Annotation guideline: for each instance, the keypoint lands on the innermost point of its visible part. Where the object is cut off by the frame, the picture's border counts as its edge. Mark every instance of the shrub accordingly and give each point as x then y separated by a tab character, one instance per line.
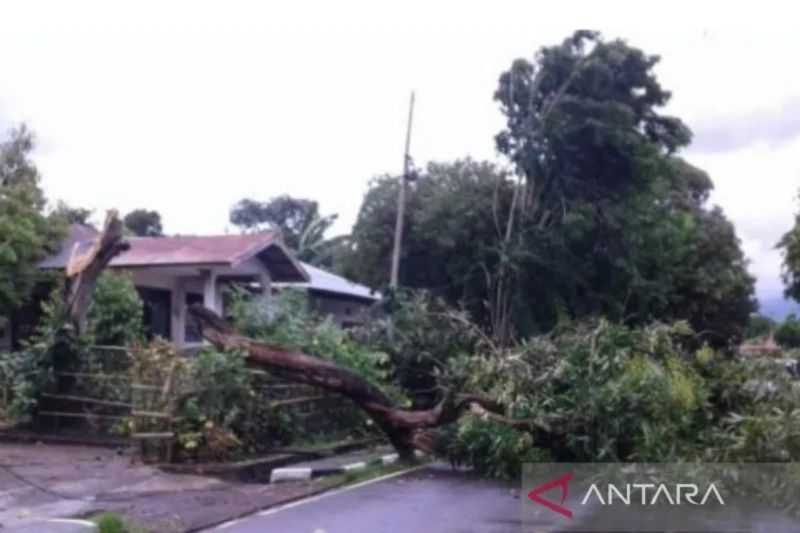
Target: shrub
492	448
289	323
423	337
116	315
788	333
594	391
756	413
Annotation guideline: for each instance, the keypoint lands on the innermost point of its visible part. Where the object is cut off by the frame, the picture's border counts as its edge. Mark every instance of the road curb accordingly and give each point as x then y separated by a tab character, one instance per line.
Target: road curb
304	473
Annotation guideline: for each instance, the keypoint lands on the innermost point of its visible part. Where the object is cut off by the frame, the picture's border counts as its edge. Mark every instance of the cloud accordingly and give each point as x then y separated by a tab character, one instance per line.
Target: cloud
757	186
772	127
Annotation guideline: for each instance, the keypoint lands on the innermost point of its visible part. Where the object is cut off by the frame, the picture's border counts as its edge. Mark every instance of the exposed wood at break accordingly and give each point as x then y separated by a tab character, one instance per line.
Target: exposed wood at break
406	430
83	269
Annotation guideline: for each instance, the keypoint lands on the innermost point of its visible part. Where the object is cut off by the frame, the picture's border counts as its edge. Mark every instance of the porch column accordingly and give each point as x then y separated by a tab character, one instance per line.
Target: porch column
266	288
210	295
178	329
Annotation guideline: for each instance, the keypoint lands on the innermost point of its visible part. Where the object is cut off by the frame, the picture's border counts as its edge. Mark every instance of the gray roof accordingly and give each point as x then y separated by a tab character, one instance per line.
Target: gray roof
322	280
77	234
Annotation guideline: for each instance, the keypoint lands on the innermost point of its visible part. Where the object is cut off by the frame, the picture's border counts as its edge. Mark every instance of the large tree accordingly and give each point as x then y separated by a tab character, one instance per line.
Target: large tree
144	223
26	235
790	248
452	227
599	217
298	219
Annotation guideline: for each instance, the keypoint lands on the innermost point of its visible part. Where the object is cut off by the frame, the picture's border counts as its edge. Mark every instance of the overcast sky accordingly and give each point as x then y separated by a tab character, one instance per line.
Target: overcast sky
187	107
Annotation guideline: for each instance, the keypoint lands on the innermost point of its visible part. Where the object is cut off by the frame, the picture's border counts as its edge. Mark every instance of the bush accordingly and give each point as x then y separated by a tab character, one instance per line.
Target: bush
290	324
788	333
116	315
755	413
492	448
424	336
758	326
594	391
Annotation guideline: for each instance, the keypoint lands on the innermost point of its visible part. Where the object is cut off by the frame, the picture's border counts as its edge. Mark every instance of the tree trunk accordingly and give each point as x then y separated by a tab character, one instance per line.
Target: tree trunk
406	430
83	269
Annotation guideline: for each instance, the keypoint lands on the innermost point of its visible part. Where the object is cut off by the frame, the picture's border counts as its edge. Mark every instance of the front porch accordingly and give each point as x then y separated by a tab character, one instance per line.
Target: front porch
168	291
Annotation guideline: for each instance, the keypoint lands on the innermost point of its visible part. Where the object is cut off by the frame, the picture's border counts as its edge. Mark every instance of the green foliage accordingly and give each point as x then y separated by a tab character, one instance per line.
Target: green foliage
288	322
111	523
759	326
144	223
116	315
589	392
26	234
220	390
299	221
788	333
756	415
65	214
603	218
26	374
114	523
790	247
493	449
425	335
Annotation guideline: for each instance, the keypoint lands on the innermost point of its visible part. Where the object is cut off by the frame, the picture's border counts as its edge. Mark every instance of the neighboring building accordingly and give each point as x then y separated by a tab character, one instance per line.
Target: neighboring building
760	347
171	273
341	299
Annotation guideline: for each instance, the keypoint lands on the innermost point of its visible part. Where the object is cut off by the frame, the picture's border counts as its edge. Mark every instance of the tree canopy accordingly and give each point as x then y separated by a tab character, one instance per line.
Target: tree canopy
599	215
302	226
144	223
790	248
26	234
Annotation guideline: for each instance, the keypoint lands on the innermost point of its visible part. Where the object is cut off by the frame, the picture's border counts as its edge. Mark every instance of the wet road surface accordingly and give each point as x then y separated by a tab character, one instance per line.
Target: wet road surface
433	499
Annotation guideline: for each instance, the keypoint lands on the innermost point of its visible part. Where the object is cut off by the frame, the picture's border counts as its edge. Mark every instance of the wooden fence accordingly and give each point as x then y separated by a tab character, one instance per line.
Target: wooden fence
105	396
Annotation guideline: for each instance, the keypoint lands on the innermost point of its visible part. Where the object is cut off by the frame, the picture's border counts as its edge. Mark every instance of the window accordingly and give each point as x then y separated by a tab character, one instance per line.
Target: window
157	312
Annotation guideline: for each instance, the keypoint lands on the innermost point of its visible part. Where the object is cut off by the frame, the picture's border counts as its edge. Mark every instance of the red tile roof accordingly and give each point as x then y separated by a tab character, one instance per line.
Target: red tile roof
193	250
227	250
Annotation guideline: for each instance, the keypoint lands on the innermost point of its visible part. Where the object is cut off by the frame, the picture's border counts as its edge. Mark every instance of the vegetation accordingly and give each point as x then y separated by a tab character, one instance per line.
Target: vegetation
116	315
600	216
144	223
114	523
759	326
302	227
788	333
582	305
26	234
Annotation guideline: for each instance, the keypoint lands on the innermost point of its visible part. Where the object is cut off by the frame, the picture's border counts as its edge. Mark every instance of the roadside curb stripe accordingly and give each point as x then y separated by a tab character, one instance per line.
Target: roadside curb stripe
347	488
302	474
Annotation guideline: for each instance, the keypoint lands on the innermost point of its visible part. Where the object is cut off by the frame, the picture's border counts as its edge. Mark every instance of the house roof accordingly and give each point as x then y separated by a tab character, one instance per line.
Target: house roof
223	250
322	280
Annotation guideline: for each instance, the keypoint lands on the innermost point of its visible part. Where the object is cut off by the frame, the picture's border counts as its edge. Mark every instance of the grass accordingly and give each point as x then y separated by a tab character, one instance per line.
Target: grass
114	523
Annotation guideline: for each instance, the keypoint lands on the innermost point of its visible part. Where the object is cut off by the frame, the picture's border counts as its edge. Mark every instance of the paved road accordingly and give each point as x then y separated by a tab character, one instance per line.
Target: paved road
434	499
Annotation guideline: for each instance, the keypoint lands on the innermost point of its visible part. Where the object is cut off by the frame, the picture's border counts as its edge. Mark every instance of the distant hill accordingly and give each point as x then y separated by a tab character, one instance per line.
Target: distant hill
778	308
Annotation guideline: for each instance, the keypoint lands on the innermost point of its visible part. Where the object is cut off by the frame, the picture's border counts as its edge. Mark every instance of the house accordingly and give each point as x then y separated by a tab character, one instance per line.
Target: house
344	301
171	273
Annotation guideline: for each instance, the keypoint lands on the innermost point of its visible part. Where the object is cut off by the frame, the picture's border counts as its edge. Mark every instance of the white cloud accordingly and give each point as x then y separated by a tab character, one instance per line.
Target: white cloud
185	107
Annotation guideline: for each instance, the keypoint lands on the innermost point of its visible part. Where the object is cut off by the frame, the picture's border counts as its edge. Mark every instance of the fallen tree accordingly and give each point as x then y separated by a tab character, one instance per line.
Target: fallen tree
84	268
407	430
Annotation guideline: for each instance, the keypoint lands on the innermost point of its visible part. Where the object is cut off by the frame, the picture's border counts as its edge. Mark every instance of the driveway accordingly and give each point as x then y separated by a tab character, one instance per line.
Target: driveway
39	482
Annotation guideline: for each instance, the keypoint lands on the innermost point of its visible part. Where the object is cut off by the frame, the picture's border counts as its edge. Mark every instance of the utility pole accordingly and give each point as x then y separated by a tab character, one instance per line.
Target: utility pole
401	200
